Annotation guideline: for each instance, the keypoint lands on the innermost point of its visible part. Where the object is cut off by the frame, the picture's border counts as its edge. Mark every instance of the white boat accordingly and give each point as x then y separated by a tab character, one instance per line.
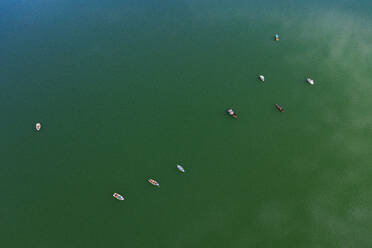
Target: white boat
262	78
180	168
38	126
153	182
231	113
310	81
118	196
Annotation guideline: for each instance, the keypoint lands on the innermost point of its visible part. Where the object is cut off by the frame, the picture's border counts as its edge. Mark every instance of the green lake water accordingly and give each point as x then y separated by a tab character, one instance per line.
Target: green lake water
125	90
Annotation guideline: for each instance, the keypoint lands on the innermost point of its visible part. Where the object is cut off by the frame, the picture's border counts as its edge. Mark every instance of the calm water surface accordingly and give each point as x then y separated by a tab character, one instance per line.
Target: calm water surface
125	90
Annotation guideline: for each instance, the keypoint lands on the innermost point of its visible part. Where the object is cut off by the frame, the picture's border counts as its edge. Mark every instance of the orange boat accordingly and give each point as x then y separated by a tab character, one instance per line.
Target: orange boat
153	182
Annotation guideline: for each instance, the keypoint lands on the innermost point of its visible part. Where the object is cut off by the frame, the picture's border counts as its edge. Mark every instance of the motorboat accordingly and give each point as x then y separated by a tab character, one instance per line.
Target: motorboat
262	78
231	112
180	168
153	182
38	126
310	81
276	37
118	196
279	107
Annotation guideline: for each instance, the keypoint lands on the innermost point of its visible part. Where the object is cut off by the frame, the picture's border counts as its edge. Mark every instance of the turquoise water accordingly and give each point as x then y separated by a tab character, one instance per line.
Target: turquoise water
127	90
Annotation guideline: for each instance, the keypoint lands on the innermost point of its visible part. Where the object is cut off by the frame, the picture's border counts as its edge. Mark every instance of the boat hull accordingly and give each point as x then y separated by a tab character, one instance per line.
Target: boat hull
153	182
118	196
278	107
180	168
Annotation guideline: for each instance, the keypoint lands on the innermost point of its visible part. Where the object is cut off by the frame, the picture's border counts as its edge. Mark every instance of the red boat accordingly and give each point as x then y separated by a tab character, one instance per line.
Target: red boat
153	182
279	108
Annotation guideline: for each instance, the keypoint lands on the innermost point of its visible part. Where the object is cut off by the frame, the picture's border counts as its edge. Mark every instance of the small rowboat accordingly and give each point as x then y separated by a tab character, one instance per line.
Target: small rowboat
279	108
262	78
180	168
153	182
276	37
117	196
38	126
310	81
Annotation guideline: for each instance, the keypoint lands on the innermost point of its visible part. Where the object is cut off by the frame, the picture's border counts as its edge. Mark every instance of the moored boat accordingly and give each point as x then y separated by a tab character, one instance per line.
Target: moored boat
276	37
118	196
180	168
279	107
38	126
262	78
153	182
310	81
